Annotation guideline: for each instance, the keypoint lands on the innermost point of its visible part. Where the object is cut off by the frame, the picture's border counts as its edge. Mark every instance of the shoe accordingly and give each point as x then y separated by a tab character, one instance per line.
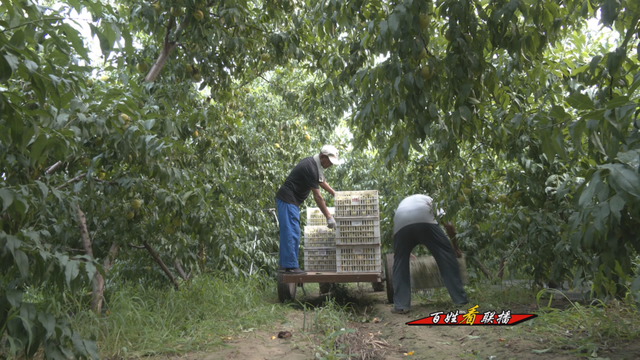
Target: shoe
292	271
400	311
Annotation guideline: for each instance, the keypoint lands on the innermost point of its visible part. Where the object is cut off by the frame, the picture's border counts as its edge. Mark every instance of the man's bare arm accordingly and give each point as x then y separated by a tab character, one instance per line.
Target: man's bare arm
327	188
320	201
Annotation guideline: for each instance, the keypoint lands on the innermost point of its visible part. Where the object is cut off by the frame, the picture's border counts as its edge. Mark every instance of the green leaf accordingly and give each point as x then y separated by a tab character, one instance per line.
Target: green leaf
580	101
616	204
600	215
14	296
5	69
75	40
7	198
623	179
609	12
48	322
18	39
465	112
71	271
22	261
588	192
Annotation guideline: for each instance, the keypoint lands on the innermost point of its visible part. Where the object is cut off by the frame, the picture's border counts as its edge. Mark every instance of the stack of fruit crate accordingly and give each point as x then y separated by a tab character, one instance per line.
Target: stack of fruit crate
357	232
319	242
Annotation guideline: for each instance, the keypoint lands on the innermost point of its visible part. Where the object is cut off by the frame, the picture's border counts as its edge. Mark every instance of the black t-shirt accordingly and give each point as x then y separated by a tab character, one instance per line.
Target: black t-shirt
298	184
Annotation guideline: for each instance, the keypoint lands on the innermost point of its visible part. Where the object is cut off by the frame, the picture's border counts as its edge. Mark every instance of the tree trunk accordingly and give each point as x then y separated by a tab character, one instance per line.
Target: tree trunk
98	279
98	284
484	270
162	265
180	271
501	268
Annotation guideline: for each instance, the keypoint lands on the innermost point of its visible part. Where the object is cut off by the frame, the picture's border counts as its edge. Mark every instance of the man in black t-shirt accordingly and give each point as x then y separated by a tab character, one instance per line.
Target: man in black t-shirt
307	176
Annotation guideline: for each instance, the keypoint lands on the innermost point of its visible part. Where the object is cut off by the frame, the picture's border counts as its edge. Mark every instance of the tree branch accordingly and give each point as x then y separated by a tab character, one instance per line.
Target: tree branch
157	258
181	272
71	181
53	168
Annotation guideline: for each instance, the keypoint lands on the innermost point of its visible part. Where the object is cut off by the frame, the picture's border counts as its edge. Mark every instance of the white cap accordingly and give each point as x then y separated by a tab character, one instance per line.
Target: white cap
332	154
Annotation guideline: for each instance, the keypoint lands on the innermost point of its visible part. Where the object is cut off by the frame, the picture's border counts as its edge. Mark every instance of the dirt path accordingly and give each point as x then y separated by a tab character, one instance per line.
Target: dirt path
425	342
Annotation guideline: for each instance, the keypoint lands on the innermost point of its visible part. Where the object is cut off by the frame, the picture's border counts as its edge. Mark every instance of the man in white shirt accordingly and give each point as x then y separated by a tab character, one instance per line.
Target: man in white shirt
414	223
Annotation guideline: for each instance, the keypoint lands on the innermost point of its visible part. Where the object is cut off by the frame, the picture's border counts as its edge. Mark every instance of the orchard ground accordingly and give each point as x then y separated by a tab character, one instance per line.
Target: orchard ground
357	321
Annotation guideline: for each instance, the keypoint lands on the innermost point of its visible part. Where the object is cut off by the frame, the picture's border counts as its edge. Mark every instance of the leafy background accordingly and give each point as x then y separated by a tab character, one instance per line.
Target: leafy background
520	121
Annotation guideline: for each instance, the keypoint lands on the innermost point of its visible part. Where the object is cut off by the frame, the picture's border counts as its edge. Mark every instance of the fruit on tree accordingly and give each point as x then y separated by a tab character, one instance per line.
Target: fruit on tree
156	6
466	191
195	133
104	78
169	229
307	137
101	175
176	222
142	67
265	57
189	68
136	204
423	54
424	21
129	215
426	72
461	199
489	198
477	227
125	117
197	77
503	199
198	15
240	114
90	82
277	145
176	11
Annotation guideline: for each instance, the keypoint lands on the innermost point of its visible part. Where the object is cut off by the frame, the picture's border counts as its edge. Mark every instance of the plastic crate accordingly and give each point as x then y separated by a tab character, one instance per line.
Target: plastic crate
320	259
315	217
319	236
358	258
352	231
357	204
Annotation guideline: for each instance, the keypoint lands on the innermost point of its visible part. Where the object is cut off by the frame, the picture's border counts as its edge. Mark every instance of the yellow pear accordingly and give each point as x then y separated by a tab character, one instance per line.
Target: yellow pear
125	117
142	67
176	11
129	215
198	15
277	146
136	204
424	21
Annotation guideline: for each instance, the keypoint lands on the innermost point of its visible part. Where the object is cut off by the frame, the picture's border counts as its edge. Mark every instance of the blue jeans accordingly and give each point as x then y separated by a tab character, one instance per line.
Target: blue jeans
289	220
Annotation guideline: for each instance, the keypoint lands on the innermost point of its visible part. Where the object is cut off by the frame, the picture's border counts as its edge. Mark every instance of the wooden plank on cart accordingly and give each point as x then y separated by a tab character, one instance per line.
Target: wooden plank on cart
332	277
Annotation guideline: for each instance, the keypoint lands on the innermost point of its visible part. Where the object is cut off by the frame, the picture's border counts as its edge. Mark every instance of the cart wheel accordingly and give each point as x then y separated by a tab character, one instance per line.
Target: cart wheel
325	288
285	291
388	276
377	286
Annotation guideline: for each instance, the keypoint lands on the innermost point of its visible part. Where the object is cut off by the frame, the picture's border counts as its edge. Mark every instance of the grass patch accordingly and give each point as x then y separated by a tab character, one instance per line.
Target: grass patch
145	321
587	329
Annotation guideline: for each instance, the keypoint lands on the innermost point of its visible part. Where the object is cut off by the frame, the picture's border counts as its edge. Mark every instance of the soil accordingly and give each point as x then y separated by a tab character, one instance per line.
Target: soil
384	335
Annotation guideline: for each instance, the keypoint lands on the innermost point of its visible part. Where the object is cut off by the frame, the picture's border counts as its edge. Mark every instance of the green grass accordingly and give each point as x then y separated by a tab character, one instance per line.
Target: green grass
146	321
587	329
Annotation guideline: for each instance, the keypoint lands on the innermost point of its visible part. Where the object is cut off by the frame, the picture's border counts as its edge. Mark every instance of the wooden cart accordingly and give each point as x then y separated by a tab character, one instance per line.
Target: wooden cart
287	283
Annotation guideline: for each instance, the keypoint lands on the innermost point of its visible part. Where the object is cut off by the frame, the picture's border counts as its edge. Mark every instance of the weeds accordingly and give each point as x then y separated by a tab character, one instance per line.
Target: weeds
142	321
587	329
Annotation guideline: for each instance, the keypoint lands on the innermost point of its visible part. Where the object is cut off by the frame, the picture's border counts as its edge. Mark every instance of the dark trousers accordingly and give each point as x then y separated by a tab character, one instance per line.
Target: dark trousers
431	236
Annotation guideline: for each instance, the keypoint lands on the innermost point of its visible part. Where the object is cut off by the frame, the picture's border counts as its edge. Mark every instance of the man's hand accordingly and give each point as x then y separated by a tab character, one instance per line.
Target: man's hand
331	223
